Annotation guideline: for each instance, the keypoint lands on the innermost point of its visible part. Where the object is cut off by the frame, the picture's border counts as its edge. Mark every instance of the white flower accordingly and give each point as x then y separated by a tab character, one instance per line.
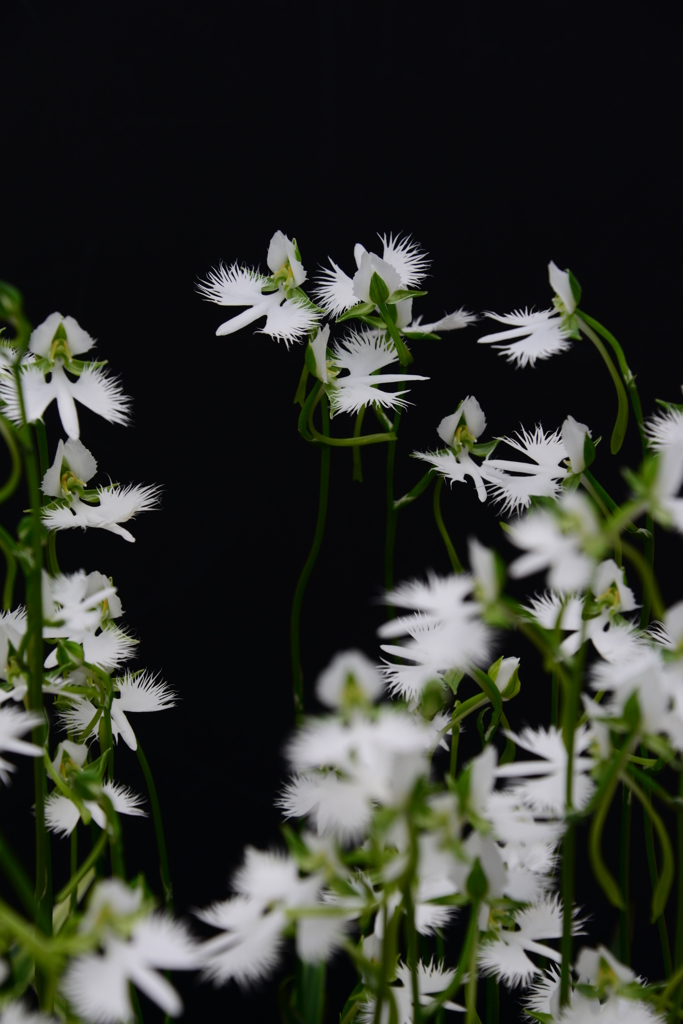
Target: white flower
93	389
361	355
539	478
350	674
611	638
541	335
97	986
402	265
289	315
450	322
12	630
62	815
544	785
665	429
506	955
252	921
472	413
77	606
431	980
78	341
561	285
595	966
614	1010
548	546
574	436
80	464
116	505
667	508
484	565
13	724
445	632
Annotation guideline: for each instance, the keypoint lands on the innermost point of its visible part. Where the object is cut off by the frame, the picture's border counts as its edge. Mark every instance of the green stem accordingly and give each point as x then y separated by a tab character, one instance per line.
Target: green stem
651	591
624	876
52	553
404	356
295	619
357	473
600	869
8	435
455	561
10	576
416	491
493	694
89	861
628	378
492	1000
572	689
469	946
661	885
649	556
621	423
164	869
34	658
18	877
392	514
73	866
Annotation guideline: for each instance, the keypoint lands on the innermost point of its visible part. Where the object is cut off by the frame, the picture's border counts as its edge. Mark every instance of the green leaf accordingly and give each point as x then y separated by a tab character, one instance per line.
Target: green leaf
588	452
404	293
378	290
361	309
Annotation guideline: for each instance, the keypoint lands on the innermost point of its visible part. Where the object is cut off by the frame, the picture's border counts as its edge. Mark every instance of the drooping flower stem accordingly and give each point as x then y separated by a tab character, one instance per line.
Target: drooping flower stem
89	862
621	423
648	817
455	561
164	870
295	618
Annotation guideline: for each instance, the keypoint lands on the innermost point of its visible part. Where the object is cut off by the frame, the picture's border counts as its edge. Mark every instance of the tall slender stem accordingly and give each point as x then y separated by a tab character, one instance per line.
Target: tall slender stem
295	619
392	514
164	869
455	561
624	876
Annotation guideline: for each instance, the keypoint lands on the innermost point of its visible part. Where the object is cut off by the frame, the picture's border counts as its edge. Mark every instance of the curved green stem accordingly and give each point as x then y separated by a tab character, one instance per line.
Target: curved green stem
621	422
18	877
650	586
607	881
8	435
10	575
628	378
390	535
662	886
455	561
624	876
164	870
493	694
295	618
416	491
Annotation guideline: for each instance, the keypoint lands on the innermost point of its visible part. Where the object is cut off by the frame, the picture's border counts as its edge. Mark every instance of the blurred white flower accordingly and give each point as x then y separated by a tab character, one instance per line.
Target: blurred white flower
541	334
555	541
62	815
349	676
542	784
13	724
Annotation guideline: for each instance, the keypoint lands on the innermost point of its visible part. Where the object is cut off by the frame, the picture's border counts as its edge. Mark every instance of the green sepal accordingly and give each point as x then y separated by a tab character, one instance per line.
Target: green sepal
309	359
77	366
69	654
401	294
669	406
571	324
86	783
477	883
452	678
269	287
433	699
60	333
378	291
513	684
485	448
575	287
588	452
295	843
421	335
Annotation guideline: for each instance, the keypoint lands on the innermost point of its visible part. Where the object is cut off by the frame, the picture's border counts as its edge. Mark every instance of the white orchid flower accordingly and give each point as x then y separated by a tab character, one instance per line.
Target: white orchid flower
541	335
289	315
361	355
13	724
401	266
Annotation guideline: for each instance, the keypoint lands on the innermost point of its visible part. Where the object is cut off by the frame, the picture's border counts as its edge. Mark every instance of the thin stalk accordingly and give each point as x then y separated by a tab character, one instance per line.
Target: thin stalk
650	818
164	870
12	482
624	876
492	1000
469	946
357	473
471	1016
90	861
73	866
295	619
52	553
651	591
392	514
649	555
555	700
569	716
621	422
415	492
455	561
34	659
14	871
10	577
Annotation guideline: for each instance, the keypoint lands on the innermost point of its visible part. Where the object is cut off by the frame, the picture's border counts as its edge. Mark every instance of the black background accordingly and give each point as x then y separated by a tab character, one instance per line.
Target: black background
145	142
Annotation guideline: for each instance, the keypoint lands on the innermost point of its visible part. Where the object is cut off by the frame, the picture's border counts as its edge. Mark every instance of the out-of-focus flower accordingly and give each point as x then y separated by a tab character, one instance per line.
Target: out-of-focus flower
13	724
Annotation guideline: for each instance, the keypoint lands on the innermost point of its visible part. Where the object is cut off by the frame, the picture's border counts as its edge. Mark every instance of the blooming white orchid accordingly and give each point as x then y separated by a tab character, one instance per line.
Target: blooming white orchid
361	355
542	784
432	979
62	815
53	345
401	266
134	694
104	508
80	608
290	316
97	985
